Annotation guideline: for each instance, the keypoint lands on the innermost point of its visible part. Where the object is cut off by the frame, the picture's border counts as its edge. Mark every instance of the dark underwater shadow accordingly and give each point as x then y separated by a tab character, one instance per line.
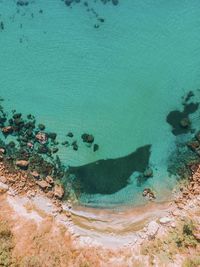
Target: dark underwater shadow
111	175
174	118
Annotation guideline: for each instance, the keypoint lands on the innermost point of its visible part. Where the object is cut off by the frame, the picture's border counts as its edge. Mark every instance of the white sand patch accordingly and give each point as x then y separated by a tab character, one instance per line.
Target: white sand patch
18	203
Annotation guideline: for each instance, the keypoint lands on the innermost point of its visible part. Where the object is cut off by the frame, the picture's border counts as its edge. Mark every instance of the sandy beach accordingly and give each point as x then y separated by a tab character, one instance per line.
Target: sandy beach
93	236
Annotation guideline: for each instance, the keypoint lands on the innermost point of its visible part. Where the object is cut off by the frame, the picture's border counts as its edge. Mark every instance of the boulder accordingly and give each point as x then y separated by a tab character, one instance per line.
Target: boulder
59	191
3	188
165	220
152	229
43	184
22	164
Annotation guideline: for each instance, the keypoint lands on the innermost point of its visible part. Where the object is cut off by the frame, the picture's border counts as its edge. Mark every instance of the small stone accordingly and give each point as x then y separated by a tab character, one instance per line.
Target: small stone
173	225
22	164
3	188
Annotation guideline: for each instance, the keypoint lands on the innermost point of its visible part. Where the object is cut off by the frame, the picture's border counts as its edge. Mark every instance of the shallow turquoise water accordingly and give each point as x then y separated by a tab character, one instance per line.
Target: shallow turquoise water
118	82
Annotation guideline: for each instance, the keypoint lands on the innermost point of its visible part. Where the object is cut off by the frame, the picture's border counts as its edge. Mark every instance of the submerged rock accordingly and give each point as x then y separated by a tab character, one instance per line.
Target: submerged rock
70	134
87	138
95	147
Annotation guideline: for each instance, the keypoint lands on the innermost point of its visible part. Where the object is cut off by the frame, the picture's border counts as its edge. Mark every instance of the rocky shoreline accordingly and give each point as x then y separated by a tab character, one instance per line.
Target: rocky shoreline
19	190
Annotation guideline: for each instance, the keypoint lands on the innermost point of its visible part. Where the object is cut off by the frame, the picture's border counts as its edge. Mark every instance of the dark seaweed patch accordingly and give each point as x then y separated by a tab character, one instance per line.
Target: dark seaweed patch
111	175
175	117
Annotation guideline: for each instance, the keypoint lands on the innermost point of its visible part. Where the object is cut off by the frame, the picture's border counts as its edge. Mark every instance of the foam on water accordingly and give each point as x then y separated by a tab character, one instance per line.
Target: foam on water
118	82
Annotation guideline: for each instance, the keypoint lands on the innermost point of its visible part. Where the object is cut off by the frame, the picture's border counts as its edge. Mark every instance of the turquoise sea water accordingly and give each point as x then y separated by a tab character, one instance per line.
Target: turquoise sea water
118	81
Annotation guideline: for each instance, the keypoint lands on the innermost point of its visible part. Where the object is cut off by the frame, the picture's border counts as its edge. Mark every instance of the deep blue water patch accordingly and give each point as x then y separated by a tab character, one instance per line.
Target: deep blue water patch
111	175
